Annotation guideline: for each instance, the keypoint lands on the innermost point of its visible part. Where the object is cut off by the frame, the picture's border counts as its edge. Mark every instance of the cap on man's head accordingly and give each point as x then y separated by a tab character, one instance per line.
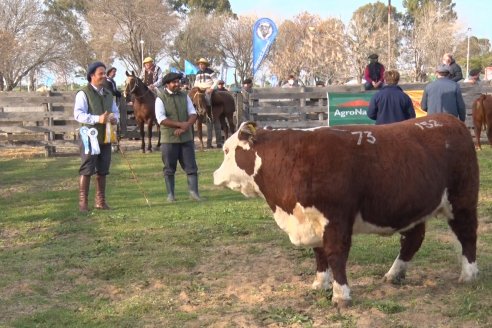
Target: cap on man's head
169	77
202	61
148	60
247	81
92	69
442	68
373	56
474	72
221	82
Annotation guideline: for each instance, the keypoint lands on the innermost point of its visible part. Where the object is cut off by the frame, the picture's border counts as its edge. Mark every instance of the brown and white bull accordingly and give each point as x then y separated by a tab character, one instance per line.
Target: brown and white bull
325	184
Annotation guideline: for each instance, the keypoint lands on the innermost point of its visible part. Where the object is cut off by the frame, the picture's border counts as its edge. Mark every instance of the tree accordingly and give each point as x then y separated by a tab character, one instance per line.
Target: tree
425	50
236	45
198	38
118	26
28	43
368	33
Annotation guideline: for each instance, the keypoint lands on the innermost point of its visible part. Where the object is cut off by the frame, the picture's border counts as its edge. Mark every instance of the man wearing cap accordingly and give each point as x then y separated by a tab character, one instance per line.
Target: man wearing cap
176	114
94	108
373	73
110	84
221	87
443	95
206	79
151	75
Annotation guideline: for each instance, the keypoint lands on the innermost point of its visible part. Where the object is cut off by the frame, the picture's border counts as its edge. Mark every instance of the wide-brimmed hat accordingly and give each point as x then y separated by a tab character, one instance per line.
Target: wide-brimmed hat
148	60
169	77
203	60
247	81
92	69
373	56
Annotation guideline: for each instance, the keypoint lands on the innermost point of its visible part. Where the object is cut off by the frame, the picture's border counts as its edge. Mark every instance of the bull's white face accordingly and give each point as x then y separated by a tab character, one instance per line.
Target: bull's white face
230	175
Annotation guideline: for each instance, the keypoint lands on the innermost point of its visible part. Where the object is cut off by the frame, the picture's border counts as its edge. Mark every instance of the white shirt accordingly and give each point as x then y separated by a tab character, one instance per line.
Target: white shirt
160	111
81	109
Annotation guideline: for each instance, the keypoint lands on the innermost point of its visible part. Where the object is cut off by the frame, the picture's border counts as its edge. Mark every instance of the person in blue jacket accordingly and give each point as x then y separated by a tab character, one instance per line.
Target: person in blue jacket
390	104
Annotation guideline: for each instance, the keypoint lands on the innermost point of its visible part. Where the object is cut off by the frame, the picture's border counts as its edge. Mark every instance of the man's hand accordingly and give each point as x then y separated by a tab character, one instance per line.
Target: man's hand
103	118
184	125
178	132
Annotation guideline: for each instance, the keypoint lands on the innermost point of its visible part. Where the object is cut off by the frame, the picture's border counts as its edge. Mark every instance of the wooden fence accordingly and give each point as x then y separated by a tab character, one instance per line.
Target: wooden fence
47	120
306	107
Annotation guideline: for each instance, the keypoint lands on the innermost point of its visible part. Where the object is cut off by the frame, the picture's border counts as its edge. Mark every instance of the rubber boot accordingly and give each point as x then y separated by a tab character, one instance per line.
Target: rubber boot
193	187
84	183
101	192
169	179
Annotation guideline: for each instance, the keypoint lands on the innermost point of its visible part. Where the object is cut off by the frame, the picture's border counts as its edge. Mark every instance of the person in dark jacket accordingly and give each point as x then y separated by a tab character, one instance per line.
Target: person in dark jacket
390	104
374	73
443	95
111	84
455	72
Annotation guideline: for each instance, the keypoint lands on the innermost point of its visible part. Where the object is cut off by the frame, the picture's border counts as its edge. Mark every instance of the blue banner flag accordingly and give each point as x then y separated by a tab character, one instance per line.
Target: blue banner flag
264	33
173	69
190	69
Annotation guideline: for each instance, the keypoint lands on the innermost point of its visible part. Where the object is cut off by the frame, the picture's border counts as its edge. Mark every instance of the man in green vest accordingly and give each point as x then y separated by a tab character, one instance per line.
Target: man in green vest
94	108
176	113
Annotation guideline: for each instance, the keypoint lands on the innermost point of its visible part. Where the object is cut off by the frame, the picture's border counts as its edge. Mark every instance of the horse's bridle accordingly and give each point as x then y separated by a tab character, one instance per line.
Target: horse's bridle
135	85
200	110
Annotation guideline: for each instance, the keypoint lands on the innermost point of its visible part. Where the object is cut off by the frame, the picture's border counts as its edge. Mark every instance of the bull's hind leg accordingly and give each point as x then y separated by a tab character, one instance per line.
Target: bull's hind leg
324	277
410	242
464	225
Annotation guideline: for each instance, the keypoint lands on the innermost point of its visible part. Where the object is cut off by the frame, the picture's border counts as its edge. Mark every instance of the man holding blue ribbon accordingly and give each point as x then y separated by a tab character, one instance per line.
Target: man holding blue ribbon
96	111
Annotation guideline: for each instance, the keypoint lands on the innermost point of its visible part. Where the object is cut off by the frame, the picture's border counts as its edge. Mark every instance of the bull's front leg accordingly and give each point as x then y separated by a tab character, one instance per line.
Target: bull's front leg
336	246
324	276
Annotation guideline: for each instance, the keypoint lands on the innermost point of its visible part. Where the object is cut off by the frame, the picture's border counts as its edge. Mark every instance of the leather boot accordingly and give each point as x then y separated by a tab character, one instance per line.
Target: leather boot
101	192
84	183
169	179
193	187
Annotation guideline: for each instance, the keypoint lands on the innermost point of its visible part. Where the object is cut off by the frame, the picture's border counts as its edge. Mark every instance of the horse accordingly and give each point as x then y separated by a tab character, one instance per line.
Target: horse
143	108
223	107
482	117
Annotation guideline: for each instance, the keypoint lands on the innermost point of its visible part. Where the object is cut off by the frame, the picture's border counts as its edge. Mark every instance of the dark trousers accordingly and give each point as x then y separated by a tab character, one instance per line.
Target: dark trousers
92	164
184	153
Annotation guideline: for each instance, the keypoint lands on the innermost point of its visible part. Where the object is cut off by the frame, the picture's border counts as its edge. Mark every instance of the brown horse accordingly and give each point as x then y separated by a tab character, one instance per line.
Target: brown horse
482	117
143	108
223	107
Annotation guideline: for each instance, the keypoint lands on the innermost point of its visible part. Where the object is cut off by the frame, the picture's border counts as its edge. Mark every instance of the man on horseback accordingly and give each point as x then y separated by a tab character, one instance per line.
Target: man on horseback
206	79
176	113
151	75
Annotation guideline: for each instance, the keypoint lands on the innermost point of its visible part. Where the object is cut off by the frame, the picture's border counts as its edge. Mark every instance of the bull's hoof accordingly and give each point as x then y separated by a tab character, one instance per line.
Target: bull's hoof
394	279
341	303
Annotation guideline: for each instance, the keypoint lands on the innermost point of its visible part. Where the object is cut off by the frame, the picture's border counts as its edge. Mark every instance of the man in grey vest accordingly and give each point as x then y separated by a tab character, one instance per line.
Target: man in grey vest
176	114
94	108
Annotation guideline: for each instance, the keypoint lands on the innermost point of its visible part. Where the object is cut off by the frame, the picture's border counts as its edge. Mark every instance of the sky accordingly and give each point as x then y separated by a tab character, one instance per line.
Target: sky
474	14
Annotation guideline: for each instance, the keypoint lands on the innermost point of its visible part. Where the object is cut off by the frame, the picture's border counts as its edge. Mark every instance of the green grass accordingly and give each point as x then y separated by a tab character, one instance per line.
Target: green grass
173	265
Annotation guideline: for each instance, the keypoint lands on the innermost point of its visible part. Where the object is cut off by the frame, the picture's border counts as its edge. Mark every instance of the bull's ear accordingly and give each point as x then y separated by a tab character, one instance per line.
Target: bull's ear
247	131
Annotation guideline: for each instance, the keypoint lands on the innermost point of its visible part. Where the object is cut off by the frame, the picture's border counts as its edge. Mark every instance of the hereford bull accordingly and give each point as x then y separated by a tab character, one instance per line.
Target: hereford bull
482	117
325	184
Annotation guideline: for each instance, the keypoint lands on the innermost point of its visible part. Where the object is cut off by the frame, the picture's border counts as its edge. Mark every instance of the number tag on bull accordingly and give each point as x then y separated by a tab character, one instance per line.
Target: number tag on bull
428	124
365	136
